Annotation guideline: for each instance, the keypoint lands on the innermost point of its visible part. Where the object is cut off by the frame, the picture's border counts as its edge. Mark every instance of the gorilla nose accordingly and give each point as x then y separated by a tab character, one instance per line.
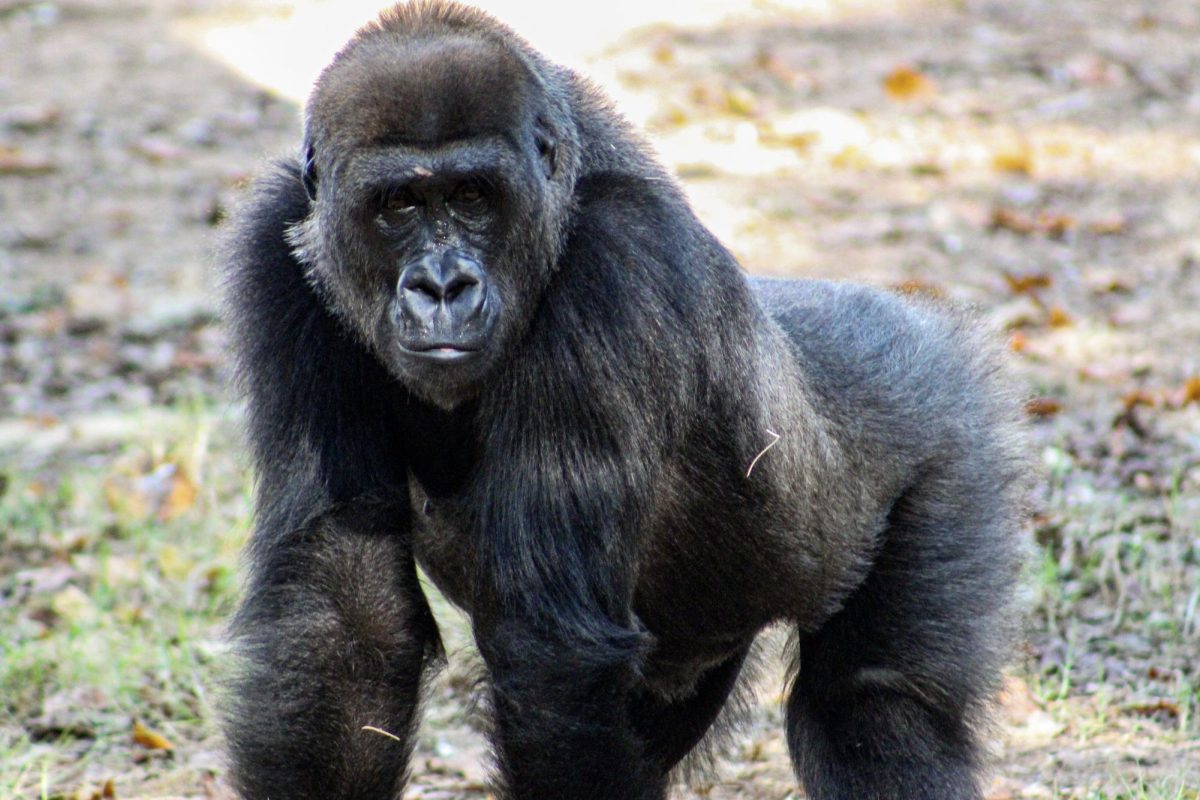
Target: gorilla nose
452	282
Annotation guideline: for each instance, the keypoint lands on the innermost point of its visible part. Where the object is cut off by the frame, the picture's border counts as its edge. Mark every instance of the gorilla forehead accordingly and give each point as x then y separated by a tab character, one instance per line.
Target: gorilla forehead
422	91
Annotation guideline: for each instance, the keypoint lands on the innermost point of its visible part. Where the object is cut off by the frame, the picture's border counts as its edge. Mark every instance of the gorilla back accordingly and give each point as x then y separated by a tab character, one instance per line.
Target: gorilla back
480	330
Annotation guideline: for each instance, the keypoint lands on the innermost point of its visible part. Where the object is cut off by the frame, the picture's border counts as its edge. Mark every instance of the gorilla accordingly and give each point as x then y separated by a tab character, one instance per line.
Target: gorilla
481	331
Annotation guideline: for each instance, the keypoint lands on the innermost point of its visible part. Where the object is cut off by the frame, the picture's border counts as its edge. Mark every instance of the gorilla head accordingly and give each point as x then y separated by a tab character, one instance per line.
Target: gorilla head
440	169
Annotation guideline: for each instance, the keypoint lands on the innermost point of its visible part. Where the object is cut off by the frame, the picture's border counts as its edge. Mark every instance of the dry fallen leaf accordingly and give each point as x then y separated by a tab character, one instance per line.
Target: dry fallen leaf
1154	708
1011	220
906	84
151	740
180	497
1059	318
1050	223
13	162
1043	407
1024	284
1191	391
1055	225
916	286
1017	158
1139	397
1109	226
88	792
741	102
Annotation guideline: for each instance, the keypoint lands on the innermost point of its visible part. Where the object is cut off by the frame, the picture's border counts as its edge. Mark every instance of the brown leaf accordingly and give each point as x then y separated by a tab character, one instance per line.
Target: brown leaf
13	162
179	499
1060	318
151	740
1017	158
906	84
1154	708
1138	397
1055	225
1043	407
1050	223
1026	283
1109	226
916	286
741	101
1191	391
1012	220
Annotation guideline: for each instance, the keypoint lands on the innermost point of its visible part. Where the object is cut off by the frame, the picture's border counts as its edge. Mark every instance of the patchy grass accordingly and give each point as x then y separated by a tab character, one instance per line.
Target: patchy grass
119	569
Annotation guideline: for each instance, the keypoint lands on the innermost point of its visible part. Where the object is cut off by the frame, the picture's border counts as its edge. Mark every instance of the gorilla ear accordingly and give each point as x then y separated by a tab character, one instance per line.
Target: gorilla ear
308	173
547	147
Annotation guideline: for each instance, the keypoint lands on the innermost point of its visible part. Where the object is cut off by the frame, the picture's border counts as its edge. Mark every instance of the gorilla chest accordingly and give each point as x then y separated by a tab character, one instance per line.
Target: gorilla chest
702	582
442	543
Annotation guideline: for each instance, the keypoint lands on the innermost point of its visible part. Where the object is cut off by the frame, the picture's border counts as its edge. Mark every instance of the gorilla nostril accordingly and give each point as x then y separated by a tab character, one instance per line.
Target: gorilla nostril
459	284
428	291
422	283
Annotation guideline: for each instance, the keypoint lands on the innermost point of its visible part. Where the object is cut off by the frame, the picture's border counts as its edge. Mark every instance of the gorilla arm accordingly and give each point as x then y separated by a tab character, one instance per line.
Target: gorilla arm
577	438
334	631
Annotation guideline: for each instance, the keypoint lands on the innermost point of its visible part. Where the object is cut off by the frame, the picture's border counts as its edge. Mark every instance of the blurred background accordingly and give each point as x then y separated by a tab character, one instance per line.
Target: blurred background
1039	159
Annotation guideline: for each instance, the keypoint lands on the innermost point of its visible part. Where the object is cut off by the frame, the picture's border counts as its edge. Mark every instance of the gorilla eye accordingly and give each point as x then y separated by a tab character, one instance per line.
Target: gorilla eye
399	201
468	193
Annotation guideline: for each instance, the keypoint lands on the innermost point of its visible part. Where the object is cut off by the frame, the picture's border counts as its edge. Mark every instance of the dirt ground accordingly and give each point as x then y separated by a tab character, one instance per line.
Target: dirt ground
1038	159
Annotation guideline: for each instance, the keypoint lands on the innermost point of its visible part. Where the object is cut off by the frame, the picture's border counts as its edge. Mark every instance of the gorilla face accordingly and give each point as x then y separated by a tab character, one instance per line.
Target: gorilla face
434	224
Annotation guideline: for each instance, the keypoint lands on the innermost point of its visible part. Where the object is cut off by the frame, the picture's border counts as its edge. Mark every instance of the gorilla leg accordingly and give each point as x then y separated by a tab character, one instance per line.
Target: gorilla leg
890	691
335	635
672	729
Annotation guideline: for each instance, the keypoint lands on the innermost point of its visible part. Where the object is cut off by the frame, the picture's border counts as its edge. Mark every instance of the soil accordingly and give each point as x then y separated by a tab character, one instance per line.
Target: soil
1038	160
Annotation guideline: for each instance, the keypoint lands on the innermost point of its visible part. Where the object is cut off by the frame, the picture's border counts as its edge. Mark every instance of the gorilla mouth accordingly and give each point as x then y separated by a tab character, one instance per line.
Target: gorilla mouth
440	352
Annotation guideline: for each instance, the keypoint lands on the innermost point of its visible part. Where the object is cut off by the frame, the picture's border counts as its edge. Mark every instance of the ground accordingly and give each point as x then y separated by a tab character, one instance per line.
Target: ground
1038	160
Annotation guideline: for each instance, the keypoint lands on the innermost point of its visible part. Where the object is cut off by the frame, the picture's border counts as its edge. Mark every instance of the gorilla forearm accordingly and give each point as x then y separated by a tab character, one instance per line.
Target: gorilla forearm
560	697
334	637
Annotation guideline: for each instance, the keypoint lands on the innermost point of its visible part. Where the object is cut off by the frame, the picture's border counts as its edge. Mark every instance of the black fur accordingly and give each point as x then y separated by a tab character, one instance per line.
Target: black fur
649	458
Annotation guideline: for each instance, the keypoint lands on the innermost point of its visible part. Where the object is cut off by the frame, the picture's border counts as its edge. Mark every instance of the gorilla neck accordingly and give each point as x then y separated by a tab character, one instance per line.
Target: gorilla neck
442	445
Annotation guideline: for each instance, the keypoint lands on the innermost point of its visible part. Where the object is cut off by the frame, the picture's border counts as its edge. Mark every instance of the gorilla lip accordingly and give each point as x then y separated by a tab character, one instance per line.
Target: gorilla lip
444	353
